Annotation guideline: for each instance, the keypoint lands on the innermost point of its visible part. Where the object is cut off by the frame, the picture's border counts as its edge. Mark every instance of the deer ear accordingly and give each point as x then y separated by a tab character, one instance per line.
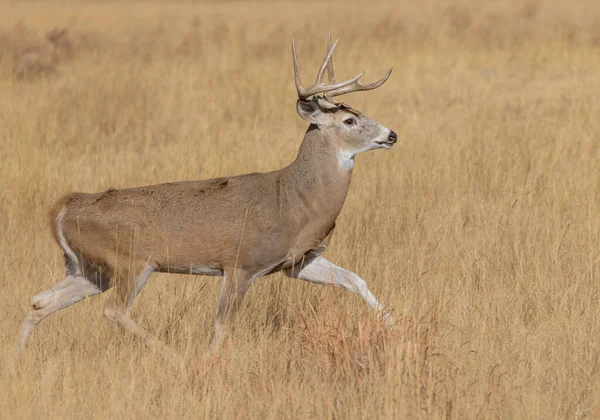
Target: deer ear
309	110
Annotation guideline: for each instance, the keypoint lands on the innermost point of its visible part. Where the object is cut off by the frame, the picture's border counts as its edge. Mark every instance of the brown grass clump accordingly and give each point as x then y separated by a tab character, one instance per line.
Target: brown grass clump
480	229
344	346
42	59
34	62
61	41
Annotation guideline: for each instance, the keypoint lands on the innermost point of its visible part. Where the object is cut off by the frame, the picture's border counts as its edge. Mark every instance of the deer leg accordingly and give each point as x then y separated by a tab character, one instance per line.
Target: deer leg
118	309
71	290
233	289
321	271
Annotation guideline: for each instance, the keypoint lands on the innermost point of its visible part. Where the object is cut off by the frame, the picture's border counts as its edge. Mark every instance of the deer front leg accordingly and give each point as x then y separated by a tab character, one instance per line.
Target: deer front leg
233	289
321	271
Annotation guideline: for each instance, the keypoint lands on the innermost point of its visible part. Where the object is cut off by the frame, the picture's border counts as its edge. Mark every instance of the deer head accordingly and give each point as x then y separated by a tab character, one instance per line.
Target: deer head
350	131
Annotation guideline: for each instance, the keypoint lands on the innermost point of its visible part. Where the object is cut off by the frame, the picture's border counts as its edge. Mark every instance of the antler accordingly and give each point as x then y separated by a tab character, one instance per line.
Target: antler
330	72
355	86
319	86
333	89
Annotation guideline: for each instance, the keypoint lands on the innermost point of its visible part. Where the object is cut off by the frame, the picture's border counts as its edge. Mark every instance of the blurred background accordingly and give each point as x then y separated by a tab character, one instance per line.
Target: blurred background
479	229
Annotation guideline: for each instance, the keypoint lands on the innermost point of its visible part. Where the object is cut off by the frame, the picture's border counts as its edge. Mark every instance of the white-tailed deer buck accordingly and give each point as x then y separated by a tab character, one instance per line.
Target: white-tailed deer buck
241	227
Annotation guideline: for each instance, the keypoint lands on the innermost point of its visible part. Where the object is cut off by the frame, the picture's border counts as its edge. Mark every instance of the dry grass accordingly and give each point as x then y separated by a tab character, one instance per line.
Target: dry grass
480	229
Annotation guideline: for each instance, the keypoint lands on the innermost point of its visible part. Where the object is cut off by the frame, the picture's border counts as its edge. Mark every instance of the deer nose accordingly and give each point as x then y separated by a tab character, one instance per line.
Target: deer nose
392	137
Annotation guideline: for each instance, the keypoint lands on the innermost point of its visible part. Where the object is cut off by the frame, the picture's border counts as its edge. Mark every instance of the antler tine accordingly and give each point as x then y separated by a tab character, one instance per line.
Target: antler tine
325	64
357	86
299	87
318	86
330	71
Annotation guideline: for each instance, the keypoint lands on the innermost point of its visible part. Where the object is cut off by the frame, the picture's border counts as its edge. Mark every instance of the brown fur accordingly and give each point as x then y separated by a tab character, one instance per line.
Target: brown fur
258	222
240	227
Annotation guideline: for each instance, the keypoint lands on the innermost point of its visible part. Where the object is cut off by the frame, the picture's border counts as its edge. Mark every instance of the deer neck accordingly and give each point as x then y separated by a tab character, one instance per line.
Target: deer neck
319	184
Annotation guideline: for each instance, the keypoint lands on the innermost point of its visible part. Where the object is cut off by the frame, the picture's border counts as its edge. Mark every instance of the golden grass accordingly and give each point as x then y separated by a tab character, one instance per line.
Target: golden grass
480	229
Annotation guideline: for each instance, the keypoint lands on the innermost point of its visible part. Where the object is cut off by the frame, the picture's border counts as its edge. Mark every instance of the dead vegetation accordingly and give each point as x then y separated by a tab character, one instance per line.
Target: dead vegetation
37	59
480	228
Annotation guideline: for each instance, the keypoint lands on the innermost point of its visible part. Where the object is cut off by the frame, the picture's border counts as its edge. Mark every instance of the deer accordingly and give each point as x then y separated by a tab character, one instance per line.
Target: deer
240	228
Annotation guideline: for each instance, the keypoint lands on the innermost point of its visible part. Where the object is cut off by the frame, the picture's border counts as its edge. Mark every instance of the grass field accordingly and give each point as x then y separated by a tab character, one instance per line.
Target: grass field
480	229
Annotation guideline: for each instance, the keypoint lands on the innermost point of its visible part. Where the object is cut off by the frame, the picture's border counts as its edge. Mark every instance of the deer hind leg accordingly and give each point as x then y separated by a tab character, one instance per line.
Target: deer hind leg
321	271
233	289
75	287
117	309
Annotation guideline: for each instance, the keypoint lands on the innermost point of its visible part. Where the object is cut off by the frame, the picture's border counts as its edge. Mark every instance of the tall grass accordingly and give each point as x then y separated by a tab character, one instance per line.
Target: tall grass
479	229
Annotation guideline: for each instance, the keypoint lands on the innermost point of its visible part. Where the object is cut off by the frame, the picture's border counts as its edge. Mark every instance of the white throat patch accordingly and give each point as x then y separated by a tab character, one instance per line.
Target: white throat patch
346	159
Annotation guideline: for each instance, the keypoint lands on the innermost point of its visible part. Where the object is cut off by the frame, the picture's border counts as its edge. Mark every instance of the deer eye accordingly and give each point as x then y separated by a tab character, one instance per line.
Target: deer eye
350	121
